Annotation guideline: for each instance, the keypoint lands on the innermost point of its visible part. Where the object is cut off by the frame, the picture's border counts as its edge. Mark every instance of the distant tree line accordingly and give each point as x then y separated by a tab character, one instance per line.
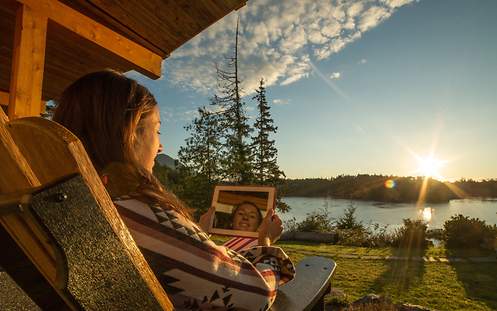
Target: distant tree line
483	189
397	190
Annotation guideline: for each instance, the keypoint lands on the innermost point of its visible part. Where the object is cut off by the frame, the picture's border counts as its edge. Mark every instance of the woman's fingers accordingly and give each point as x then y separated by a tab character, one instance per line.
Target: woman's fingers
276	219
204	221
269	214
211	210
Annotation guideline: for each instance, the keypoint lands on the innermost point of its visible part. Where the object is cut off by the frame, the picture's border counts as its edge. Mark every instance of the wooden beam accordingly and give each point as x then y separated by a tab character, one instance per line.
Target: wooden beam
146	61
28	60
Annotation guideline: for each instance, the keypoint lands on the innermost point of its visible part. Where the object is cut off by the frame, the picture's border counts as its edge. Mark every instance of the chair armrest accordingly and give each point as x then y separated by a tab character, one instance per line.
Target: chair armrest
311	283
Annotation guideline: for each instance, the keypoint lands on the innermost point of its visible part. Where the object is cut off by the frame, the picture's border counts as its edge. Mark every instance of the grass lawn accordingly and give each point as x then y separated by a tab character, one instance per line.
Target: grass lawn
441	286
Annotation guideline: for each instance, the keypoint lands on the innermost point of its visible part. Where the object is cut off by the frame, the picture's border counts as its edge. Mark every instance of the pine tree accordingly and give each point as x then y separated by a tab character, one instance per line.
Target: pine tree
264	150
265	154
236	149
201	153
200	160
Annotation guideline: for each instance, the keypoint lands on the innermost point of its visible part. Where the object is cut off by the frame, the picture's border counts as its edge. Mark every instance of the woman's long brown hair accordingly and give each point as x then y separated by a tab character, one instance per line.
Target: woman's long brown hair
104	109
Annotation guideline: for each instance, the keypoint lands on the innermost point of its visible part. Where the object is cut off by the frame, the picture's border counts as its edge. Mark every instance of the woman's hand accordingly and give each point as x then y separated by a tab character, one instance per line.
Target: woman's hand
205	220
270	229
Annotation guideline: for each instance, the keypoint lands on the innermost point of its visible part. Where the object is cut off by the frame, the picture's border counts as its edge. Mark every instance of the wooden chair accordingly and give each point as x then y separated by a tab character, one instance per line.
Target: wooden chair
68	248
65	244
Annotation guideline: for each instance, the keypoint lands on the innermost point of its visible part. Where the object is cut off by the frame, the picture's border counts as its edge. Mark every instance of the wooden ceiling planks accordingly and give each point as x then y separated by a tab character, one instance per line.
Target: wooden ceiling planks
161	26
166	24
97	14
70	56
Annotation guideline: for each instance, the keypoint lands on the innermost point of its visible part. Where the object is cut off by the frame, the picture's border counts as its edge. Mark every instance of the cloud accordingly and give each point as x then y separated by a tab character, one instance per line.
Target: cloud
166	114
335	75
189	115
396	3
362	61
278	40
279	101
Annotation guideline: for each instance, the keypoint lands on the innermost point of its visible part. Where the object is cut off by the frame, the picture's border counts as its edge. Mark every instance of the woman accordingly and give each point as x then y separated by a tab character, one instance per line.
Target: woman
246	217
118	122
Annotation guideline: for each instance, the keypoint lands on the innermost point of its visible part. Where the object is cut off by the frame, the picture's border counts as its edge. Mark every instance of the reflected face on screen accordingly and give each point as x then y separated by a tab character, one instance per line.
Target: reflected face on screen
246	217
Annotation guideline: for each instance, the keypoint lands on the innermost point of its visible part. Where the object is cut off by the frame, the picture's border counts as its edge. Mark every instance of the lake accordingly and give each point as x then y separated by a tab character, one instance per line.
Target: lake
391	214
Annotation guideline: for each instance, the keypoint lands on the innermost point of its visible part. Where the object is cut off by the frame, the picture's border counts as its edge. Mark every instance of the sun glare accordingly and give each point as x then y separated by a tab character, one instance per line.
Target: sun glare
430	167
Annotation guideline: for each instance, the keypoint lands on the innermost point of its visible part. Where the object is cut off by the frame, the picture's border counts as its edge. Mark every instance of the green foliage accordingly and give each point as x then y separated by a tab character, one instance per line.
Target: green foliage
372	236
169	178
200	159
317	221
348	220
437	286
412	234
280	205
265	155
194	190
351	232
464	232
266	169
352	237
201	154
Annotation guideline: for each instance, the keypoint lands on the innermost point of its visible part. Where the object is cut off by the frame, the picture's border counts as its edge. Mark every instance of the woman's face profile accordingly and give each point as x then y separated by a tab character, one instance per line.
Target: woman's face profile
246	218
147	139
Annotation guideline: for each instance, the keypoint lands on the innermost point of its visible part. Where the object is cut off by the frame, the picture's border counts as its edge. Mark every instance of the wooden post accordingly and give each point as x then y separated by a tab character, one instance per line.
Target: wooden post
28	60
4	102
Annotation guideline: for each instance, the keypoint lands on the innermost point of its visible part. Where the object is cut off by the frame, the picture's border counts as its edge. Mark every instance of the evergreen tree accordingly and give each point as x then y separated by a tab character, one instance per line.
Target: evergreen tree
200	160
236	149
265	154
266	168
201	153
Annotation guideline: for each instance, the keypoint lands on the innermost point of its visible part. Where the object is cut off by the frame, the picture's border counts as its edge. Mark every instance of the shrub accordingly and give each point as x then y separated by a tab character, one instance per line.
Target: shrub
351	232
290	225
464	232
349	221
412	234
352	237
317	221
379	236
348	230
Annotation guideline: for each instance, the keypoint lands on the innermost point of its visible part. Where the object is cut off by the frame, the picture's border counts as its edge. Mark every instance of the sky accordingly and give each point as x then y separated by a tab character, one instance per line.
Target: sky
355	86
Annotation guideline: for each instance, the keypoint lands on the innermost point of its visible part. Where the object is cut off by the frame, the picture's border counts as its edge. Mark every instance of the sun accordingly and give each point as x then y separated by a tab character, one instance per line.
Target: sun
430	166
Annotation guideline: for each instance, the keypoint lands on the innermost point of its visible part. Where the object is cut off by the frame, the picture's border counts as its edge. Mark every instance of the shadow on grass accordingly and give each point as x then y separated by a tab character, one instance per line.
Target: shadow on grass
401	274
479	279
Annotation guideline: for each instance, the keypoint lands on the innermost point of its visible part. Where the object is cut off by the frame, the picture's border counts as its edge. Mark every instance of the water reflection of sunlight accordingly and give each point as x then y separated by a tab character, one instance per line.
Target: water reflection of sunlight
426	214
